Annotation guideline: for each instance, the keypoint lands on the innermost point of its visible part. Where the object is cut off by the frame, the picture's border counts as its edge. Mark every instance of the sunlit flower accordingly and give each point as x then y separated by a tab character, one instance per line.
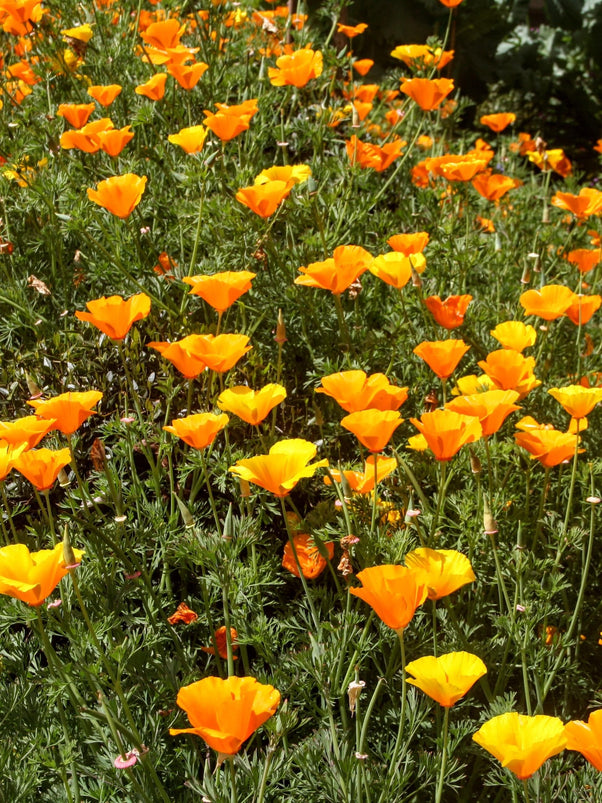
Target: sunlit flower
442	356
28	431
198	430
471	383
555	159
82	33
588	202
522	743
87	139
222	643
105	95
494	186
548	446
337	273
549	302
396	269
351	31
514	335
586	737
187	77
70	410
408	244
184	354
114	315
582	308
191	140
373	428
183	614
393	592
491	408
585	259
443	571
427	93
32	576
576	400
416	56
76	114
311	561
154	88
367	155
42	466
220	353
226	126
120	195
252	406
264	199
450	3
296	69
9	452
282	468
450	312
498	122
362	482
226	712
446	432
362	66
221	290
509	370
446	678
295	173
354	391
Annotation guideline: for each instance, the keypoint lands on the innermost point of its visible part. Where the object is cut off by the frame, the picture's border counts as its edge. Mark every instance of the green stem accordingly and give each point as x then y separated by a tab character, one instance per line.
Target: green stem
8	515
443	756
264	774
314	615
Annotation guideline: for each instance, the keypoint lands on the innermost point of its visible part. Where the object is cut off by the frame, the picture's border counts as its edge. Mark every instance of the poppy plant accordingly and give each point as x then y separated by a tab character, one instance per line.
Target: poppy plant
220	290
351	31
183	614
448	313
120	195
295	173
297	68
281	469
222	643
154	88
498	122
442	570
337	273
226	126
514	335
586	738
264	199
551	160
493	186
491	408
70	410
373	428
311	561
428	93
105	95
198	430
522	743
367	155
32	576
220	353
354	391
42	466
585	259
587	203
76	114
114	315
252	406
393	592
225	712
582	308
28	431
113	141
509	370
442	356
409	244
87	139
362	482
164	34
446	432
187	77
417	56
9	452
184	354
549	302
549	446
446	678
576	400
191	139
395	269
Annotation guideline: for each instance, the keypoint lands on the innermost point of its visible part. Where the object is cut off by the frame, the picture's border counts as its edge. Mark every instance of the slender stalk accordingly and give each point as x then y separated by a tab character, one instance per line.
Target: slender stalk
8	514
374	498
310	602
443	756
264	775
342	323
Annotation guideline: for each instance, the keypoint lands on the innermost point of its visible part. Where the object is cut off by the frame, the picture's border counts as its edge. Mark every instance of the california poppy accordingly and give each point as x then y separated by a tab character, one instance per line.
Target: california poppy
491	408
183	614
264	199
69	409
164	34
450	312
446	432
586	737
296	69
9	452
114	140
105	95
510	370
408	244
191	139
281	469
226	126
582	308
351	31
154	88
393	592
310	559
221	290
114	315
585	259
549	302
362	482
493	186
32	576
198	430
427	93
76	114
498	122
28	431
442	356
576	400
588	202
522	743
373	428
295	173
87	138
337	273
226	712
514	335
220	353
354	390
251	405
185	354
415	56
450	3
187	77
362	66
442	570
555	160
446	678
548	446
459	169
222	643
120	195
396	269
81	33
42	466
367	155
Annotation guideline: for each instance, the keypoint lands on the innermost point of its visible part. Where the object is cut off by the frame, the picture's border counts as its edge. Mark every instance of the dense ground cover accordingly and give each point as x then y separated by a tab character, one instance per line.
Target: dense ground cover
199	203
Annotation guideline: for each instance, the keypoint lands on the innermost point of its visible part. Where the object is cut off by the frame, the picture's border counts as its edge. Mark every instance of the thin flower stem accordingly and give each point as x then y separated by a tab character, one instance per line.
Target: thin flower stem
233	792
264	775
443	755
342	322
46	496
226	608
402	716
440	498
371	704
210	492
434	614
414	482
374	499
542	502
8	514
569	504
526	790
314	615
55	662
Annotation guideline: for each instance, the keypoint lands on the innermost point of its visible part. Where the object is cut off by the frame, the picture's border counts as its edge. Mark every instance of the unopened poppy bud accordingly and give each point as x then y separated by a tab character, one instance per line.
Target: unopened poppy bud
34	390
353	692
489	523
185	513
68	553
228	525
498	242
475	464
526	277
416	280
245	488
63	478
280	336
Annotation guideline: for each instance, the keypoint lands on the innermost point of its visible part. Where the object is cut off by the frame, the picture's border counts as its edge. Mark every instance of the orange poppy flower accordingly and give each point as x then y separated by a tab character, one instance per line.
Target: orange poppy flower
450	3
264	199
586	737
524	145
28	431
588	202
396	269
252	406
416	56
81	33
427	93
446	432
551	160
191	139
198	430
76	114
446	678
114	315
576	400
585	259
113	141
491	408
226	126
362	66
459	168
549	302
449	313
582	308
183	614
443	571
32	576
297	68
509	370
69	409
409	244
362	482
337	273
183	354
120	195
373	428
226	712
498	122
246	110
86	139
188	77
514	335
221	290
367	155
442	356
222	643
105	95
548	446
355	391
493	186
42	466
154	88
393	592
220	353
282	468
311	561
8	454
351	31
164	34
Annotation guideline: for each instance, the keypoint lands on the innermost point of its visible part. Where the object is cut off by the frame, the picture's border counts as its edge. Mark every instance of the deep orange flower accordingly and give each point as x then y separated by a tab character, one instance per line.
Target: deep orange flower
8	454
585	259
264	199
416	56
509	370
220	290
226	126
222	643
494	186
491	408
355	391
164	34
87	139
187	77
42	466
582	308
154	88
32	576
498	122
459	168
450	3
351	31
449	313
446	432
198	430
362	482
347	263
119	194
549	302
296	69
551	160
409	244
28	431
588	202
362	66
69	409
282	468
396	269
311	561
105	95
252	406
220	353
191	139
443	571
367	155
373	428
524	145
226	712
427	93
598	146
514	335
113	141
183	614
442	356
446	678
114	315
393	592
586	737
76	114
548	446
577	400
